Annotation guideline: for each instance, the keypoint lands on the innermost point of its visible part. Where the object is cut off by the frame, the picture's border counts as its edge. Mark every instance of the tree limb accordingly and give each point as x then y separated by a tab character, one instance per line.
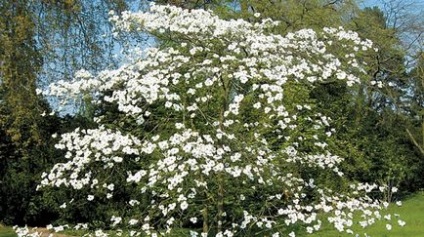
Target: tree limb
415	141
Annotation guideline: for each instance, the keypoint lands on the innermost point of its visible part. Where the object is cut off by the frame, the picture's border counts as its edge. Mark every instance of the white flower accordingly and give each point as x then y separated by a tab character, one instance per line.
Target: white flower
184	205
99	233
38	91
133	202
58	228
385	204
111	187
145	227
179	126
132	222
401	223
90	197
309	229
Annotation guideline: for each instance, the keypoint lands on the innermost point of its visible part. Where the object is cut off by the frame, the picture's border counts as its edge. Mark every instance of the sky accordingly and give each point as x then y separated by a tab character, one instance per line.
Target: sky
411	5
407	16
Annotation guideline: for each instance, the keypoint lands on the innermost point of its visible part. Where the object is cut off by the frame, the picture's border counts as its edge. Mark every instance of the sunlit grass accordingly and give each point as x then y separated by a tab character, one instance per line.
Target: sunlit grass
412	212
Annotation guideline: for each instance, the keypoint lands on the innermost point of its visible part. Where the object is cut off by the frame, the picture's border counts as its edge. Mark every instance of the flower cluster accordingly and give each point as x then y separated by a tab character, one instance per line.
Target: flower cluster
227	132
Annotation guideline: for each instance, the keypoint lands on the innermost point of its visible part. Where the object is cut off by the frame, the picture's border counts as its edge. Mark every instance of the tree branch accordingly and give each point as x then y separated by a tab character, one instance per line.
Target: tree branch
415	141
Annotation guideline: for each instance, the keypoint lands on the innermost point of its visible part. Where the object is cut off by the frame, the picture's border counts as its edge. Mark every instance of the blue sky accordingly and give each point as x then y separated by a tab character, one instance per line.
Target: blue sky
412	5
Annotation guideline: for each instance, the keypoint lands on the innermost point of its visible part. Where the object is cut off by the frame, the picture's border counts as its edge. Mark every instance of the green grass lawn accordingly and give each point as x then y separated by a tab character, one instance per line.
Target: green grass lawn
6	232
412	211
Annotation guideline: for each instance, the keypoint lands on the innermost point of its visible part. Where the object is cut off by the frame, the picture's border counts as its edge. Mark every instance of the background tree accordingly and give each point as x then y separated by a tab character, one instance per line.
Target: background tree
25	133
43	41
417	103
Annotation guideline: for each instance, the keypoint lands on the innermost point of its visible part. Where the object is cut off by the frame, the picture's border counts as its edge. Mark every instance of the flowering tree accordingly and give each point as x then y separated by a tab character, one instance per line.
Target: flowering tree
218	131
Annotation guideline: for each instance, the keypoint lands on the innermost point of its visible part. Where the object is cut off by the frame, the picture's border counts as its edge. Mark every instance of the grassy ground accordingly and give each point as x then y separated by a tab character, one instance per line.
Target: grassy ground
412	211
6	232
9	232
